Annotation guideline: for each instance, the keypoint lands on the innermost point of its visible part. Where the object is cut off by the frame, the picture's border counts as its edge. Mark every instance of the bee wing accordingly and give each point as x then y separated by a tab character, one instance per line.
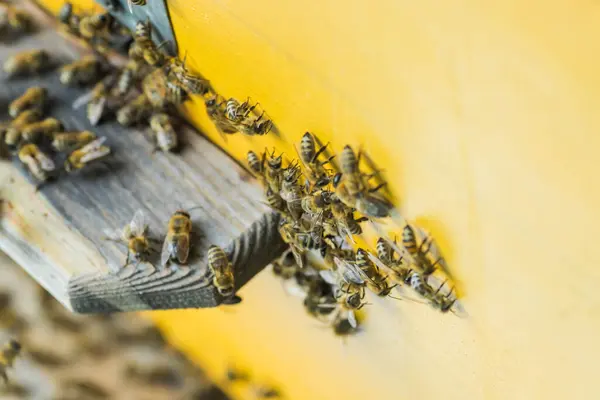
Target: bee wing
93	145
83	100
350	272
352	319
183	249
130	5
375	260
113	234
45	162
298	255
95	110
138	223
166	252
329	276
95	154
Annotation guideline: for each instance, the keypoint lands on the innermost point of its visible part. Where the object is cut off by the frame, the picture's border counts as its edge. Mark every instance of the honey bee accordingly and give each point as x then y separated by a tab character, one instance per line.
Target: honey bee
33	98
256	126
126	78
257	166
96	99
14	21
83	156
92	25
71	140
352	189
236	112
81	72
12	136
191	82
131	3
309	156
386	255
39	164
292	192
222	269
176	247
317	202
419	253
166	137
320	299
135	235
349	294
275	201
299	241
144	46
343	217
10	352
274	172
47	127
285	267
135	111
27	63
215	108
377	282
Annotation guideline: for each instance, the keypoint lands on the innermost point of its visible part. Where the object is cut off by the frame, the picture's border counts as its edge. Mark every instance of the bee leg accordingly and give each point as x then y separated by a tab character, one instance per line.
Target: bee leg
441	286
376	188
318	153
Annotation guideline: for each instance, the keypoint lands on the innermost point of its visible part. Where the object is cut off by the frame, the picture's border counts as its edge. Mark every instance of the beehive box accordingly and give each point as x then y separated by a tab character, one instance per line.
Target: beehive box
483	117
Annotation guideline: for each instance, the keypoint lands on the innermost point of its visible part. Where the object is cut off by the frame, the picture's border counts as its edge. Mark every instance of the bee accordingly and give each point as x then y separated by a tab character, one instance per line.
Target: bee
126	78
81	72
47	127
131	3
342	327
377	282
320	299
27	63
72	140
155	88
257	166
257	126
92	25
275	201
285	267
144	46
274	172
236	112
292	192
317	202
353	189
12	136
135	235
39	164
299	241
166	137
92	151
385	254
191	82
313	168
419	253
176	247
14	21
215	108
33	98
134	111
10	352
343	217
176	93
222	269
96	99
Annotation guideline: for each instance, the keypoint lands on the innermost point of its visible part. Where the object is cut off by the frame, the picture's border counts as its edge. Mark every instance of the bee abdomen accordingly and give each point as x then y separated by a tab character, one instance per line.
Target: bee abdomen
217	259
383	250
354	228
254	162
307	147
408	239
348	161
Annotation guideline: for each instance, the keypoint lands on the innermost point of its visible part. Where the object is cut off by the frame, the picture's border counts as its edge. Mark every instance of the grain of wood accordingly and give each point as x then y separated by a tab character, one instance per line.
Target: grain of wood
76	209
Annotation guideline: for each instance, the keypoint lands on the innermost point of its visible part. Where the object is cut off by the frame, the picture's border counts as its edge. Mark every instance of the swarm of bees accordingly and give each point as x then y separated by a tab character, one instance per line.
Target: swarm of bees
319	208
35	140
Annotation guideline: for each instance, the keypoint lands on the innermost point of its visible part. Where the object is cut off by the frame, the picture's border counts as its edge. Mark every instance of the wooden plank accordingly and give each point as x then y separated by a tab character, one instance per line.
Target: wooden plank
61	236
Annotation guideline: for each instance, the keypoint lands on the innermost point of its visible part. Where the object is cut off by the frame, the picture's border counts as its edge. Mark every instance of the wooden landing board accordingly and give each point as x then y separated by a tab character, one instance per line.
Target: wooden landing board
57	234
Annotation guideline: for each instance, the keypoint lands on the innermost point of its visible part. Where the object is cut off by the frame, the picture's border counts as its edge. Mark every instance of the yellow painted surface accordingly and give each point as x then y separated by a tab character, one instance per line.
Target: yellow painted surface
484	115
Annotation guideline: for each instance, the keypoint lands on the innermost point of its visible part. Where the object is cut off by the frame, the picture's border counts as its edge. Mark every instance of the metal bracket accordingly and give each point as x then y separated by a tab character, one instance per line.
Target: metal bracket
155	11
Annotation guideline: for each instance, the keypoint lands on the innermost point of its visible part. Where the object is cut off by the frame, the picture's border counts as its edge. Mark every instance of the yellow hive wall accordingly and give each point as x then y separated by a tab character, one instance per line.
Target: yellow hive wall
484	115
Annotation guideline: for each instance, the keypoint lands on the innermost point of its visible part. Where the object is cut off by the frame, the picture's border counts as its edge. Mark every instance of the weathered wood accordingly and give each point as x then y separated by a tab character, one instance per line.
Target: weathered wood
78	208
